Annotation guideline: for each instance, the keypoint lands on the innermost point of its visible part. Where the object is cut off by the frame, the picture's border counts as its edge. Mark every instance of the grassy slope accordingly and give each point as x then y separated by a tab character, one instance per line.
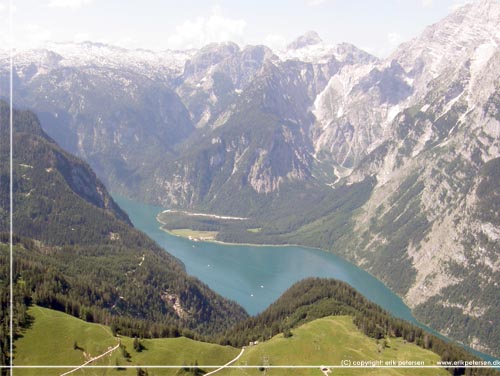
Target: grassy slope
51	339
326	341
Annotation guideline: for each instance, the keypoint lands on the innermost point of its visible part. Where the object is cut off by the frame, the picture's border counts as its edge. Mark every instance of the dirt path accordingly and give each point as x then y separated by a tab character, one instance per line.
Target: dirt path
227	364
91	360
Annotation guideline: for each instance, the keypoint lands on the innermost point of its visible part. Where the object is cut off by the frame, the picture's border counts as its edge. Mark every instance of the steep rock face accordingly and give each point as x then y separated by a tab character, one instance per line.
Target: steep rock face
245	161
214	78
262	145
103	112
429	229
324	60
356	108
37	156
255	136
105	103
471	32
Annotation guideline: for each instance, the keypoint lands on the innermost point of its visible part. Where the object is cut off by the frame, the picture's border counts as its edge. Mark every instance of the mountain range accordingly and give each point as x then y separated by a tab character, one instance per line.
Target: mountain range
392	163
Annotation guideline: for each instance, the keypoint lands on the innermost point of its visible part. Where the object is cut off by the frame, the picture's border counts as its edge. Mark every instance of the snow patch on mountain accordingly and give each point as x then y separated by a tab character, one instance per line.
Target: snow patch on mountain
482	55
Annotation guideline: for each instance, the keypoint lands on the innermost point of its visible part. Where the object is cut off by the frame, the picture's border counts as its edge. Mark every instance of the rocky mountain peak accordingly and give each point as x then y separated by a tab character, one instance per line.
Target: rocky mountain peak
308	39
483	9
209	56
257	53
482	15
453	39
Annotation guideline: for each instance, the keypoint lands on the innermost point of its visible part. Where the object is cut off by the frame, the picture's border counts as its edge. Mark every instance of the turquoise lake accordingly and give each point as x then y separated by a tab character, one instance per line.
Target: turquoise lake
255	276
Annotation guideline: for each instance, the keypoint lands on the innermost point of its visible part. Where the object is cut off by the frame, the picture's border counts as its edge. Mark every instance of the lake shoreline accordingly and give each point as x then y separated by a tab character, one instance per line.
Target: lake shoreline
234	244
191	214
415	320
239	275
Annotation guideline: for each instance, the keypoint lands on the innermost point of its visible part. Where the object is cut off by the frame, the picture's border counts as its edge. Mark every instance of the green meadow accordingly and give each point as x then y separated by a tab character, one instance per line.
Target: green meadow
53	335
56	338
329	341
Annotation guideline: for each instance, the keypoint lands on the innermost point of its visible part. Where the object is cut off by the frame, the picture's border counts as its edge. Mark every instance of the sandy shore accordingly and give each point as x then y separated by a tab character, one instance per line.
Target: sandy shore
204	215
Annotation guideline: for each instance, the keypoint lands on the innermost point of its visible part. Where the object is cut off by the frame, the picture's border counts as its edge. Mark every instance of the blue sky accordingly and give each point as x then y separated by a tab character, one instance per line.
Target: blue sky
376	26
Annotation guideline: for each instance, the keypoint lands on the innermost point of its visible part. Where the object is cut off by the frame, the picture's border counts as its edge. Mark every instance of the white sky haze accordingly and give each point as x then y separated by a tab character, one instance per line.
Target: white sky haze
375	26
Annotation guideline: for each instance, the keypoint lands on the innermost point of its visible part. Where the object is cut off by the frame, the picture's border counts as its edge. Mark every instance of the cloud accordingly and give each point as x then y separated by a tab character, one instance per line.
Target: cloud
68	3
81	37
427	3
201	31
6	7
370	50
313	3
275	41
124	42
460	4
394	39
30	36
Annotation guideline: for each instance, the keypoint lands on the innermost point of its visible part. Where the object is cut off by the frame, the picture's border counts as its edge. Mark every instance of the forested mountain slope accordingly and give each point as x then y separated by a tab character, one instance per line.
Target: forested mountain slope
76	251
